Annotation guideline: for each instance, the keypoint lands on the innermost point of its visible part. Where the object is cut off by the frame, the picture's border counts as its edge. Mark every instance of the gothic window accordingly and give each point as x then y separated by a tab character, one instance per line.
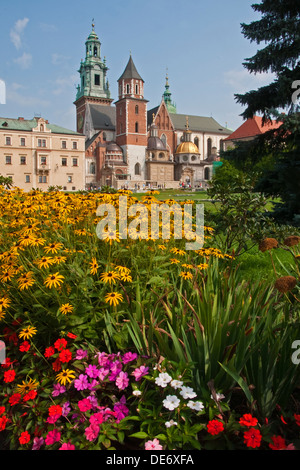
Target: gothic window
127	89
196	141
209	146
136	127
206	173
163	138
136	109
136	89
137	169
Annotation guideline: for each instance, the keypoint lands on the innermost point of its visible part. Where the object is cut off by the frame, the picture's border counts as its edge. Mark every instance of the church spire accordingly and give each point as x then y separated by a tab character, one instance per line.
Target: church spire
167	97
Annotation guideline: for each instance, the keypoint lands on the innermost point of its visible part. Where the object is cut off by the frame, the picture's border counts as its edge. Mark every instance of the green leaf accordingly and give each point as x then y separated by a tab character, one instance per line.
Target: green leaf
239	381
139	435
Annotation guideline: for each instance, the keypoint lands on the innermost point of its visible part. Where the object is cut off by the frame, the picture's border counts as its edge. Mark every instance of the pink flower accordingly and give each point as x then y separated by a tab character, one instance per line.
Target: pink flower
128	357
92	371
96	418
122	380
92	432
84	405
52	437
140	372
153	445
67	446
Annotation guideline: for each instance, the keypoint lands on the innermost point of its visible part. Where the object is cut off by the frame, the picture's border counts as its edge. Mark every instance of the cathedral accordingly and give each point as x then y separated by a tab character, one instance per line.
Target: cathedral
133	147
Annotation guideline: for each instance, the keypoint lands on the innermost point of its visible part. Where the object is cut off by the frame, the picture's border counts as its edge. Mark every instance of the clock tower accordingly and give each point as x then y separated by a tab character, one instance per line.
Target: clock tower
93	87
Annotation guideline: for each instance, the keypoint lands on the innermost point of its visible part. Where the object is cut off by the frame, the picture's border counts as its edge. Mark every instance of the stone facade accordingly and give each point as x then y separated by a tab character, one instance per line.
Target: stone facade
36	154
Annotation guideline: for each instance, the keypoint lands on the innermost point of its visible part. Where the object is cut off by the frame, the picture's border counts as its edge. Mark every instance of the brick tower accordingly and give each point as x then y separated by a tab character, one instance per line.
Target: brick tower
131	120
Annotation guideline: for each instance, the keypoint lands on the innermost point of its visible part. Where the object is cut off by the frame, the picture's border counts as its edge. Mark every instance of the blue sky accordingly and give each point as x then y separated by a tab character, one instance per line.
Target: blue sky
199	42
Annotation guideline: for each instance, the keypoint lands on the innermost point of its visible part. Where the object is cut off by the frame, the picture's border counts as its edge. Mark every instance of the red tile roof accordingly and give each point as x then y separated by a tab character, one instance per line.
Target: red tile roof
253	127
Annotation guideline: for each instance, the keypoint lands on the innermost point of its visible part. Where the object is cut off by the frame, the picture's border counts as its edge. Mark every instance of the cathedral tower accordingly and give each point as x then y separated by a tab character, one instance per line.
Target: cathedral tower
94	87
131	120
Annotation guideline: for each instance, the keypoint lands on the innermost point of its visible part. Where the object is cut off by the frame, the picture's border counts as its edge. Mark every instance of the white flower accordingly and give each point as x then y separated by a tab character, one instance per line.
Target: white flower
137	393
195	405
219	396
176	383
170	423
171	402
163	379
187	392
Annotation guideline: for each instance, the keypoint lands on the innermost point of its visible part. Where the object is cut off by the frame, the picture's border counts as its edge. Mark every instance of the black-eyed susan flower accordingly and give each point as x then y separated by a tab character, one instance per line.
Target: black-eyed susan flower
125	277
66	308
186	275
65	376
113	298
174	261
59	259
53	247
109	277
54	280
28	332
27	386
4	303
44	262
26	280
94	266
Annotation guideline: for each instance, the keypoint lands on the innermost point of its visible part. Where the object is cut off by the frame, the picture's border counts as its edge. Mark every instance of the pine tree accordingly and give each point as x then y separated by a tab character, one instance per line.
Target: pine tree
279	31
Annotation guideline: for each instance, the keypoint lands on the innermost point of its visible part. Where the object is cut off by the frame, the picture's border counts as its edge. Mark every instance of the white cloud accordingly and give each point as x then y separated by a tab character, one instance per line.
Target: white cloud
23	100
24	61
242	81
17	31
62	84
58	59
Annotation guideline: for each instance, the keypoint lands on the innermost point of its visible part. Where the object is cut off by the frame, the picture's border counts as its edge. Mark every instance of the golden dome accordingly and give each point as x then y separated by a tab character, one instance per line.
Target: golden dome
187	147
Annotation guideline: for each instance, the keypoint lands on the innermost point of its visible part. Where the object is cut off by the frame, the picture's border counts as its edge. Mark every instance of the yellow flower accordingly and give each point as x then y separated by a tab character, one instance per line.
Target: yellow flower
53	247
27	386
110	277
4	303
27	332
45	262
174	261
25	280
66	308
65	376
186	275
54	280
125	277
113	298
94	266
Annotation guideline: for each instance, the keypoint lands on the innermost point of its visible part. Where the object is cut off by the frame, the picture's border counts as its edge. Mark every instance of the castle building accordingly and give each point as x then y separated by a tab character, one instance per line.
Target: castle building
128	145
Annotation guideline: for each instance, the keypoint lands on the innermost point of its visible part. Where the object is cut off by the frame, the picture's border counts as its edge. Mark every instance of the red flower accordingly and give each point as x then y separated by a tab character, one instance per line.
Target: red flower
2	410
252	437
65	355
3	421
24	438
25	346
214	427
9	375
71	335
297	419
14	399
49	351
55	410
8	362
30	395
56	365
60	344
278	443
248	420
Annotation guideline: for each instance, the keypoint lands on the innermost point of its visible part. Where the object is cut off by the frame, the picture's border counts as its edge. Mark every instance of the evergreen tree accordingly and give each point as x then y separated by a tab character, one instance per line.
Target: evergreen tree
279	31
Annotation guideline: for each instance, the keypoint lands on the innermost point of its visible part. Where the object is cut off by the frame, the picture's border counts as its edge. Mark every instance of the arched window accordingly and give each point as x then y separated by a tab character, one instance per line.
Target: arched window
163	138
127	89
196	141
209	146
136	89
206	173
136	127
137	169
136	109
